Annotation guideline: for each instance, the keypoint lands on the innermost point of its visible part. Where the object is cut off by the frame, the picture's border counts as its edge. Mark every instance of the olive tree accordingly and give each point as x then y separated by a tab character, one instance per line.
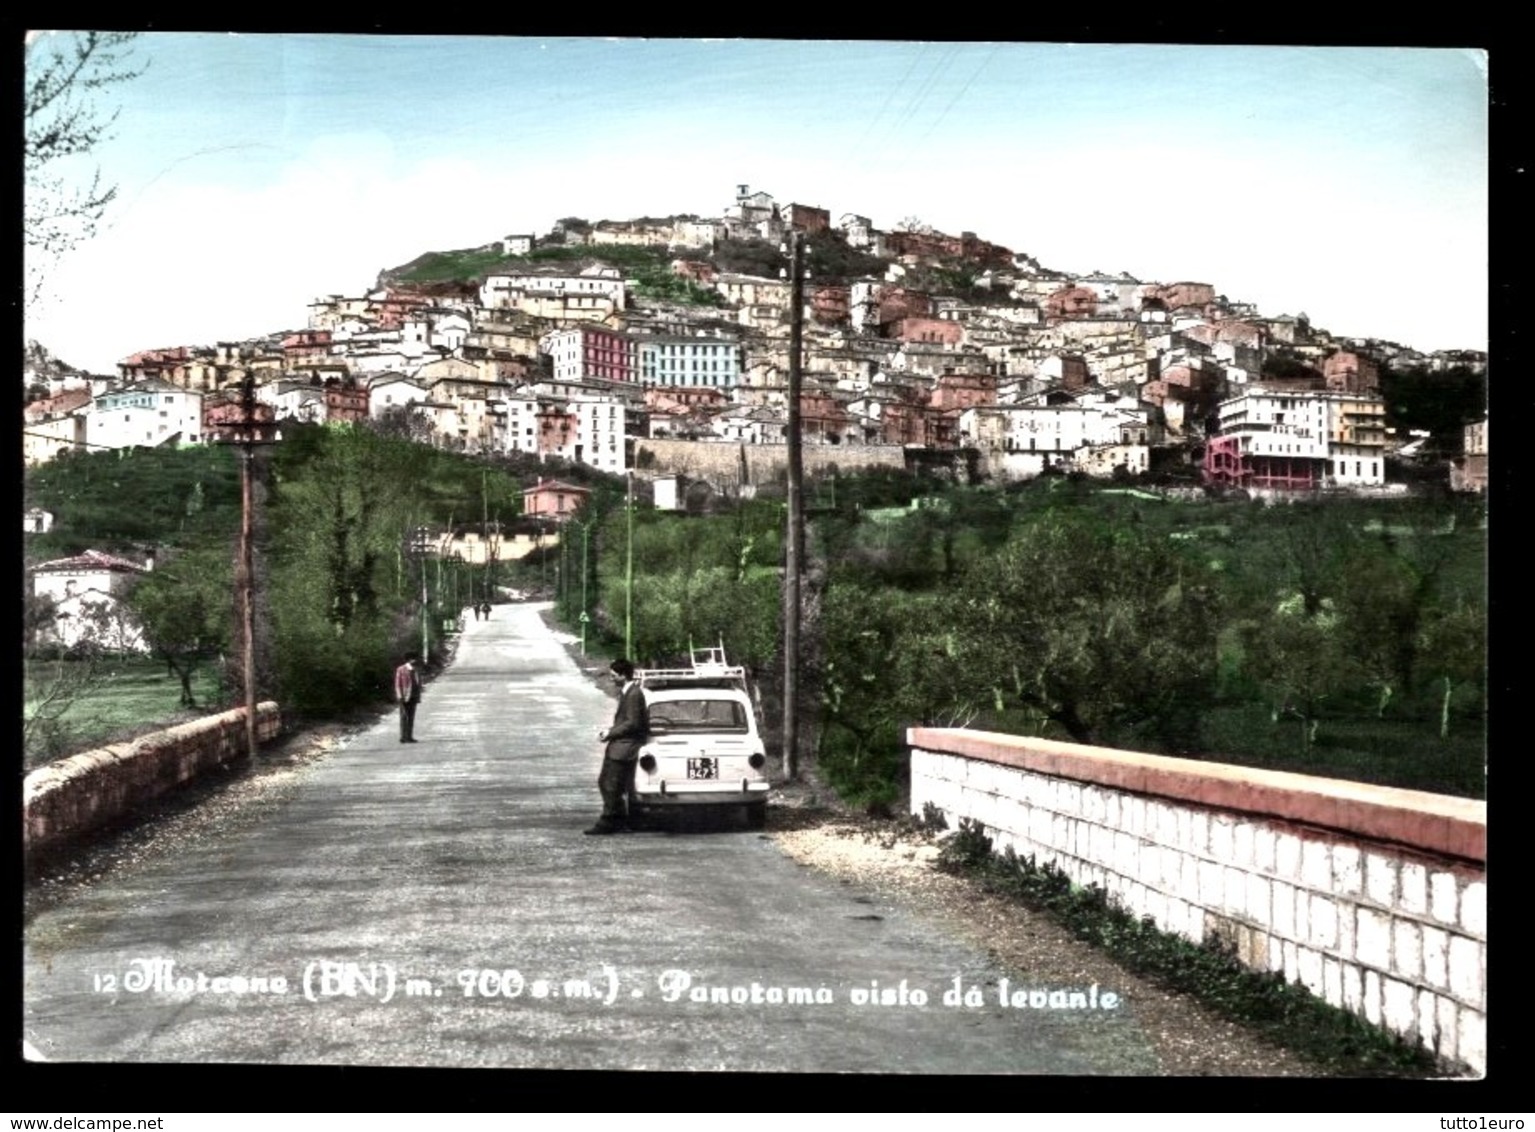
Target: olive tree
185	608
1105	633
1455	651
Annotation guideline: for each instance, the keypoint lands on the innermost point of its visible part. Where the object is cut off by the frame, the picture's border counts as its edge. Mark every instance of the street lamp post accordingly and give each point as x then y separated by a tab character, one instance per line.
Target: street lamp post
420	545
584	559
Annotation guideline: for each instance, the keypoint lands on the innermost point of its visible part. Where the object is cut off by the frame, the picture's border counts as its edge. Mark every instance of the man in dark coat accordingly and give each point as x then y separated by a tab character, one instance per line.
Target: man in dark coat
407	692
631	724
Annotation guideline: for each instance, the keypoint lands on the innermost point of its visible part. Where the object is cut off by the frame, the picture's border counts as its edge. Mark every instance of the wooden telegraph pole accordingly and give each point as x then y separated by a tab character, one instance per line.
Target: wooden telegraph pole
629	570
246	423
794	542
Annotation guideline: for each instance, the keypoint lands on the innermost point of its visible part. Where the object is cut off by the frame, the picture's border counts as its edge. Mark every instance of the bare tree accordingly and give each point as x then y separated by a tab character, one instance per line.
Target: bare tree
66	75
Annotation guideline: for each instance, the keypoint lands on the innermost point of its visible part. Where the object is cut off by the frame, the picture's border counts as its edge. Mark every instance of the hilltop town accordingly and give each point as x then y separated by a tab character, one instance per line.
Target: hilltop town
663	345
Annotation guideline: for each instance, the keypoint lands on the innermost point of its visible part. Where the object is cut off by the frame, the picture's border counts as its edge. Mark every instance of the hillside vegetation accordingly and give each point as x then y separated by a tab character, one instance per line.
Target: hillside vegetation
1341	638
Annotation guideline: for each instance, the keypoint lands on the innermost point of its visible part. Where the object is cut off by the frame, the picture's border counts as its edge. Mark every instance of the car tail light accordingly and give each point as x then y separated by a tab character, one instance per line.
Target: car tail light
648	763
757	760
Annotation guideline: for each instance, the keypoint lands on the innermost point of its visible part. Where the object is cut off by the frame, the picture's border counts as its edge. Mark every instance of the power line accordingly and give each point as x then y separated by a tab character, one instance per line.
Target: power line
961	93
890	95
86	443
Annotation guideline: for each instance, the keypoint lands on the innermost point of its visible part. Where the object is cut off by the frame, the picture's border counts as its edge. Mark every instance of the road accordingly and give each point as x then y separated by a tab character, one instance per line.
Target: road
436	904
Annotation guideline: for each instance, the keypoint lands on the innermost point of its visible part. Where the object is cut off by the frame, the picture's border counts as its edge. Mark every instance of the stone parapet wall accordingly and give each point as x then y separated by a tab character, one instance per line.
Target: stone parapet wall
83	792
1373	898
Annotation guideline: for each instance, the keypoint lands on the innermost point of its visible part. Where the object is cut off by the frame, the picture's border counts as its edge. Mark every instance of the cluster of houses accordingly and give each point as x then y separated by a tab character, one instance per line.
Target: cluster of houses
1030	367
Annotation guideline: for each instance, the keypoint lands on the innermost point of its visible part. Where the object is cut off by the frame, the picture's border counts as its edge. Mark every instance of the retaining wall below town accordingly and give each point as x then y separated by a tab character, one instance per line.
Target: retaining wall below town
719	462
83	792
1374	898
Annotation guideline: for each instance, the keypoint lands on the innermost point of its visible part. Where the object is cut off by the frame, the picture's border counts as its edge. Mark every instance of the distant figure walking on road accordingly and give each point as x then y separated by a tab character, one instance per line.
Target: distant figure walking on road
407	691
631	724
485	609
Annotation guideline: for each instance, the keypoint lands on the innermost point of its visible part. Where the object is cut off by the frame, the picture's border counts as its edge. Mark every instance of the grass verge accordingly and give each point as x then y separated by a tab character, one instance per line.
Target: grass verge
72	710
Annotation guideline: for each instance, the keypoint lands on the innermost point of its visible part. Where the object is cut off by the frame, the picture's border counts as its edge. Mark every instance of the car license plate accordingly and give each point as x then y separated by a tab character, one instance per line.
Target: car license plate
703	768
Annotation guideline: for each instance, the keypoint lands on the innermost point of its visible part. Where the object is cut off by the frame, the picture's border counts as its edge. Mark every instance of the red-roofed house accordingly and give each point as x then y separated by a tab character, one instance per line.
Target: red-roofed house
85	591
553	498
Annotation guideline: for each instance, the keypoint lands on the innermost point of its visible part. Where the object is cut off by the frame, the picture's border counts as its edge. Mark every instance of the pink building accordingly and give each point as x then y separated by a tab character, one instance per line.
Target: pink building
1072	302
554	499
942	330
1348	372
584	352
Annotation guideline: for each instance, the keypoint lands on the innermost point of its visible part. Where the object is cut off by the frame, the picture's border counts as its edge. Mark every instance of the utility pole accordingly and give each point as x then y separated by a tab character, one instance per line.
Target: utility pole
629	572
246	423
794	541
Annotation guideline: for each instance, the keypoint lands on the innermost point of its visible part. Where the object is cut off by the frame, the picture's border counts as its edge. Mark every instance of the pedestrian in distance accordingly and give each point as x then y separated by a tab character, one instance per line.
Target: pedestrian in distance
407	692
631	725
485	609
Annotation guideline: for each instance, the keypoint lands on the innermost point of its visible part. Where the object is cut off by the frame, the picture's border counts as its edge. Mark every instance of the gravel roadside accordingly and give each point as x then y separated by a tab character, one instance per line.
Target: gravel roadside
897	859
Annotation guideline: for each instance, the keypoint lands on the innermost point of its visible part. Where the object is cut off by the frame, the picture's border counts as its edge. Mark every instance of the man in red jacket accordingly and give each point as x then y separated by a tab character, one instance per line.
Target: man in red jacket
631	724
407	692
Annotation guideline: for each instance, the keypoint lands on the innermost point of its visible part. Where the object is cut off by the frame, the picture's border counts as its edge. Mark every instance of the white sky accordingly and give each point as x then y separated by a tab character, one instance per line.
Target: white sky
258	172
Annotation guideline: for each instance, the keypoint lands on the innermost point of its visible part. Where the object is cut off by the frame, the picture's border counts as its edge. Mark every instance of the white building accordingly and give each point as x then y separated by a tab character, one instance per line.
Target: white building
598	279
519	423
434	332
1096	435
601	424
696	361
1279	433
147	414
293	398
689	233
85	591
42	440
391	391
751	425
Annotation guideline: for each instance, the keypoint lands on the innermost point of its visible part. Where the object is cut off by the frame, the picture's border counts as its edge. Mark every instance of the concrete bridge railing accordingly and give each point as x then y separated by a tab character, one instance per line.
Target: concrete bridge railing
1374	898
72	796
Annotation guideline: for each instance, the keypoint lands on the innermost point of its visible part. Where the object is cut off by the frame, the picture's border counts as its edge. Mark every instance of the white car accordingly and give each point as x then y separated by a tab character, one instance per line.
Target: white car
704	746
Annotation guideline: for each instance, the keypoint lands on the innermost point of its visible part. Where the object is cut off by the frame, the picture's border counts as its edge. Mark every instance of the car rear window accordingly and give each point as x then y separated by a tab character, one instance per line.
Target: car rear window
697	715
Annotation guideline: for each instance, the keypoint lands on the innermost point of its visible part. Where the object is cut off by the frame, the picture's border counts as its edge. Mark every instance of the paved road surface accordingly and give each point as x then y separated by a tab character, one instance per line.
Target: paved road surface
436	904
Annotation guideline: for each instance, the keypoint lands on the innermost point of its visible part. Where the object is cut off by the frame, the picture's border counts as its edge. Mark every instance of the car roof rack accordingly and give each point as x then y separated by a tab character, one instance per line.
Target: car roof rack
709	669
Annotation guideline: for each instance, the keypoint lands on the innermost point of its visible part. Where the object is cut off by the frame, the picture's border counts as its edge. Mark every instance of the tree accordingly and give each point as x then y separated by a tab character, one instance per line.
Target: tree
1455	643
1442	403
184	609
1301	660
53	689
1106	633
63	118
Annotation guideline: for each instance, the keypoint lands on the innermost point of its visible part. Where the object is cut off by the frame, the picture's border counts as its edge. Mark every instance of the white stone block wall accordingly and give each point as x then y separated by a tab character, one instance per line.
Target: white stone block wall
1384	930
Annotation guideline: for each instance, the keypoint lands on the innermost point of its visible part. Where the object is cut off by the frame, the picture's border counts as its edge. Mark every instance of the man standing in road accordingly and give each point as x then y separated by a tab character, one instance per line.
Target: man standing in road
407	691
631	723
